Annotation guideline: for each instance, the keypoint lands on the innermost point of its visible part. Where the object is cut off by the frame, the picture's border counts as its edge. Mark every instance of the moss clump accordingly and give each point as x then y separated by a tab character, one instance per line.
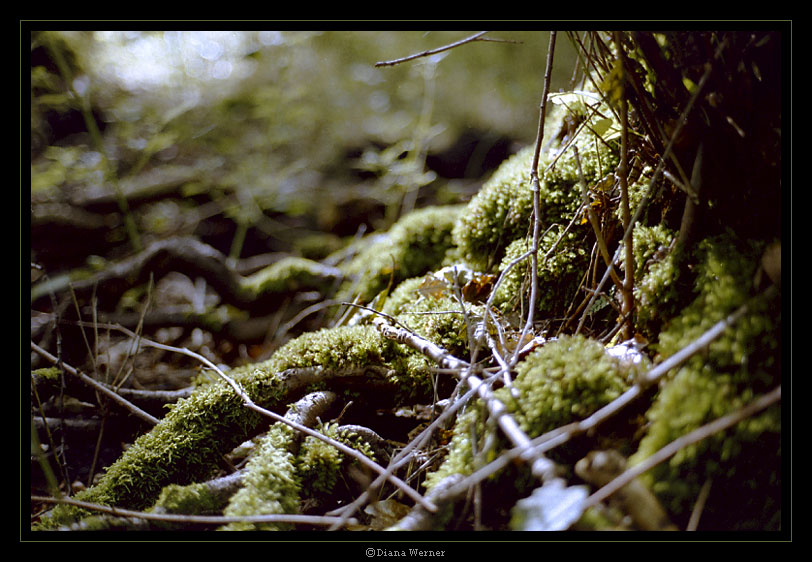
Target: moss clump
333	348
415	244
460	458
435	315
559	275
500	213
320	465
270	484
656	290
567	379
744	362
194	498
289	275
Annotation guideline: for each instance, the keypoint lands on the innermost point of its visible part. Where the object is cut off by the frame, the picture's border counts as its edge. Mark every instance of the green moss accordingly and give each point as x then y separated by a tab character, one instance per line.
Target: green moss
333	348
435	315
270	483
500	213
289	275
565	380
319	464
559	275
656	290
47	373
415	244
194	498
460	457
46	381
744	462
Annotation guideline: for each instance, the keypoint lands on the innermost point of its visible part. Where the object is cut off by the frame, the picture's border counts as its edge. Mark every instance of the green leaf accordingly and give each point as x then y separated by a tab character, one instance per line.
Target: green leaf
600	126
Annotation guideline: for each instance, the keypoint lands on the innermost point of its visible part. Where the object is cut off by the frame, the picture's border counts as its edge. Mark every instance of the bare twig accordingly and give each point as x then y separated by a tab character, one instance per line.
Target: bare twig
542	467
593	221
534	181
193	519
97	386
428	53
699	506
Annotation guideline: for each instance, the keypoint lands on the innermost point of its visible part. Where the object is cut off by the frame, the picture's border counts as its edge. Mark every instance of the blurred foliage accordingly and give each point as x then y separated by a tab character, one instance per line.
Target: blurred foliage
268	118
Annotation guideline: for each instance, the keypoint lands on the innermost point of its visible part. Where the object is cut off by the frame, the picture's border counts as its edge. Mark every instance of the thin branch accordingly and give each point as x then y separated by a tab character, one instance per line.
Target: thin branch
428	53
534	180
541	467
97	386
194	519
699	506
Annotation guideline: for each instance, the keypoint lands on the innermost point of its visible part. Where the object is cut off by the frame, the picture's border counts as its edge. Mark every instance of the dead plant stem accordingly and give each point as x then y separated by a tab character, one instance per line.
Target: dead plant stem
534	182
628	284
653	181
193	519
430	52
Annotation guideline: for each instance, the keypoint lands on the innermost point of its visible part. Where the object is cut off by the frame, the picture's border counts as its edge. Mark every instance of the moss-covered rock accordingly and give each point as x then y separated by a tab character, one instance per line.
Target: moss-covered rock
744	362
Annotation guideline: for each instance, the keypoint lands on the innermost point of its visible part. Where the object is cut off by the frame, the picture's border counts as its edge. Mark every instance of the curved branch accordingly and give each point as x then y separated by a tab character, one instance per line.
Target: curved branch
195	259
